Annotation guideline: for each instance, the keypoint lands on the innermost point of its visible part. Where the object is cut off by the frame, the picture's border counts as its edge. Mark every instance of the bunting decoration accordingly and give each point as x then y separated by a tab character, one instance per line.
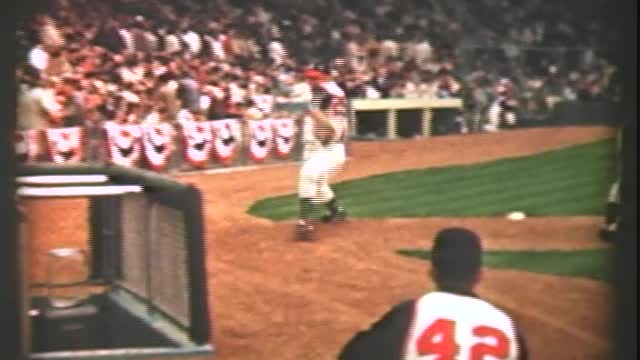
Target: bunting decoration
284	135
157	141
260	139
27	145
64	145
123	143
227	135
197	140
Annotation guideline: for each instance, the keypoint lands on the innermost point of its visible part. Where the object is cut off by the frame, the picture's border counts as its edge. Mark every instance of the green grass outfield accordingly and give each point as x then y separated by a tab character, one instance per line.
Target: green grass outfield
593	264
569	181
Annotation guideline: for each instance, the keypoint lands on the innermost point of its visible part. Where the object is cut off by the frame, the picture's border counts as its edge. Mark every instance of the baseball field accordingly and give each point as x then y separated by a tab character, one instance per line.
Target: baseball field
274	298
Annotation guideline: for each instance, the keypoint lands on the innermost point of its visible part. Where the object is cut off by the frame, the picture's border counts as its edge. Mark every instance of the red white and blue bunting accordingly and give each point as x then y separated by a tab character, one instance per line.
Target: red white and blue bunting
123	143
64	145
157	140
204	143
260	136
284	136
227	137
27	145
197	141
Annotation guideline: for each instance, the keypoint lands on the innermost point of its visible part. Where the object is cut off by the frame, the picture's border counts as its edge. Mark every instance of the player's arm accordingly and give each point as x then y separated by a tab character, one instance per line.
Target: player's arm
384	339
323	129
320	119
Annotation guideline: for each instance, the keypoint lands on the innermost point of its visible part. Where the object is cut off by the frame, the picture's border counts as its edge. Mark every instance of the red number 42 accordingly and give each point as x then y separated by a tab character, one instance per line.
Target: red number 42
439	339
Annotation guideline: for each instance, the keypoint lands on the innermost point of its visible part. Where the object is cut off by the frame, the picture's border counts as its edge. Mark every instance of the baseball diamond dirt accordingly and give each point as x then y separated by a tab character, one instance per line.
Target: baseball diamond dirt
274	298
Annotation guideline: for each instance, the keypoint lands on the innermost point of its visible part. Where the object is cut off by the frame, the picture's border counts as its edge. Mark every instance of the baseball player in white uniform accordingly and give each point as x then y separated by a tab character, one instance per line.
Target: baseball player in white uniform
325	131
613	209
449	323
503	110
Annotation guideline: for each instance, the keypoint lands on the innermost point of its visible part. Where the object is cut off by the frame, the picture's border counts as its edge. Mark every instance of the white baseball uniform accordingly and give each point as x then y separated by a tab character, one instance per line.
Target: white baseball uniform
320	161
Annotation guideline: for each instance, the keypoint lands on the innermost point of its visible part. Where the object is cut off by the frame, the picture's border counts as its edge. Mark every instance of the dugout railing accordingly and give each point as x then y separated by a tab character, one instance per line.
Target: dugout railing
402	118
146	256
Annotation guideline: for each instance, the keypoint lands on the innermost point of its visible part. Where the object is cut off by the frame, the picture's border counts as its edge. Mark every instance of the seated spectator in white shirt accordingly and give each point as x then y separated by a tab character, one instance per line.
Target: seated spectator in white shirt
192	39
371	92
300	90
172	43
38	57
277	52
127	39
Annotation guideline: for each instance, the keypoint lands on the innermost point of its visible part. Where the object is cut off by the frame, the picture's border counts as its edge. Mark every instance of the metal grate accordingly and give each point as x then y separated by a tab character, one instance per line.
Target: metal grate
169	282
154	256
134	244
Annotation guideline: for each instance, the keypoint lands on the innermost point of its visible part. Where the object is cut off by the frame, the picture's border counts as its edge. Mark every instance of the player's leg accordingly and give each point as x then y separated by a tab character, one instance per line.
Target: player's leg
307	196
510	118
335	211
306	193
612	213
613	208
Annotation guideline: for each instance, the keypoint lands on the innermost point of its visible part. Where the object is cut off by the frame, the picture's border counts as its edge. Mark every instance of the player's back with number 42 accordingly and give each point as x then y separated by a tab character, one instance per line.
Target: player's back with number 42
451	326
449	323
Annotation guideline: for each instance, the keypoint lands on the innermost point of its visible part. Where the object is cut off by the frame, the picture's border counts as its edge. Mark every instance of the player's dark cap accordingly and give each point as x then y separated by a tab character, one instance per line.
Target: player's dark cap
456	254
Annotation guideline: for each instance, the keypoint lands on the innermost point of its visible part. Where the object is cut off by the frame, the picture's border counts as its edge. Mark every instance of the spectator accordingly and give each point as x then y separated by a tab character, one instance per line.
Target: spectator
216	95
250	110
172	43
427	87
371	92
381	82
448	86
277	52
39	57
93	121
217	47
58	64
108	38
50	35
423	52
182	44
260	96
71	99
188	90
126	37
142	40
38	107
300	89
192	40
389	49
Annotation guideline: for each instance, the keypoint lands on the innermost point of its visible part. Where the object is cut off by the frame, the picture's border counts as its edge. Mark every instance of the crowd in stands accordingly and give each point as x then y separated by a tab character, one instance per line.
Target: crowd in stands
147	61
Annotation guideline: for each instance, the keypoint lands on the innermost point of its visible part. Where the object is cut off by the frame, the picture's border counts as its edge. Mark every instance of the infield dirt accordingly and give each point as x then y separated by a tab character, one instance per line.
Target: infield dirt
276	299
